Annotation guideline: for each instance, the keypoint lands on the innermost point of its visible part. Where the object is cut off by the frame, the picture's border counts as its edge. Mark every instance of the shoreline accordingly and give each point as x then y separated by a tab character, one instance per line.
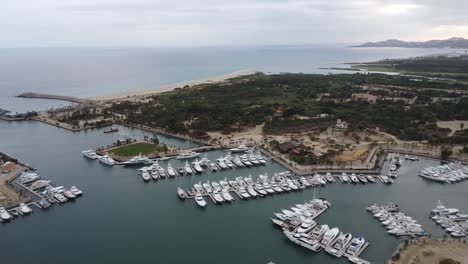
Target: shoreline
171	87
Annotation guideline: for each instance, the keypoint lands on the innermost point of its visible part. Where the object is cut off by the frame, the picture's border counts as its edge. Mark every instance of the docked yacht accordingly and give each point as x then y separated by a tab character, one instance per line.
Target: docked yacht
318	231
68	194
306	226
187	168
217	196
26	178
171	170
90	154
76	191
252	191
240	148
221	163
137	161
107	160
244	193
146	176
356	244
181	193
226	195
353	178
197	167
329	236
199	200
344	177
189	155
4	215
39	184
342	241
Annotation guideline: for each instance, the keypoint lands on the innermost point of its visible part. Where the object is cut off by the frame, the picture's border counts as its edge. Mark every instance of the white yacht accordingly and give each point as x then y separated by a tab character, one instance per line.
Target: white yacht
221	163
170	170
181	193
107	160
207	187
318	231
24	208
353	178
197	167
39	184
226	195
138	160
306	226
356	244
218	197
68	194
200	201
342	241
146	176
26	178
329	236
4	215
240	148
76	191
244	193
91	154
189	155
187	168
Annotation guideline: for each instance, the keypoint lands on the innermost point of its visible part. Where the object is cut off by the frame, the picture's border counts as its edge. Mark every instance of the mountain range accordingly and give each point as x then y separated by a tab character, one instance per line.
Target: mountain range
456	43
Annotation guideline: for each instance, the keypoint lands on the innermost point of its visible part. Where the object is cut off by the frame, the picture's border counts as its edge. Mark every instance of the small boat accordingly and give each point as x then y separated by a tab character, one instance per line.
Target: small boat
356	244
197	167
90	154
329	236
226	195
181	193
187	168
112	129
353	178
217	197
362	179
370	178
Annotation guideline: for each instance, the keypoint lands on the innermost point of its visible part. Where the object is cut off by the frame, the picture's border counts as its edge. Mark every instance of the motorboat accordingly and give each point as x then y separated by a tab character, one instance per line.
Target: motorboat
306	226
199	200
356	244
353	178
112	129
68	194
217	196
207	187
187	168
188	155
76	191
362	179
146	176
90	154
221	163
329	236
252	191
171	170
318	231
197	167
259	188
181	193
240	148
370	179
107	160
4	215
342	241
39	184
226	195
244	193
137	161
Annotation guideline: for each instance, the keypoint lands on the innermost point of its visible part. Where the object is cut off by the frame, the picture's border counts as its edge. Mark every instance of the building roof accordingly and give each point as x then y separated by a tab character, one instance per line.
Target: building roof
286	146
8	166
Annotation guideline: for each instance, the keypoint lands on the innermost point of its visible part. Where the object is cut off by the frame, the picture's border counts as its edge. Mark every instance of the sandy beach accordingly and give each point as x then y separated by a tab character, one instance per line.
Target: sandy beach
170	87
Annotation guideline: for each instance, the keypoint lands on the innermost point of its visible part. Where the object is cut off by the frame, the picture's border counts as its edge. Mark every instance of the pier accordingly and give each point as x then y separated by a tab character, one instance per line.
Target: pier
55	97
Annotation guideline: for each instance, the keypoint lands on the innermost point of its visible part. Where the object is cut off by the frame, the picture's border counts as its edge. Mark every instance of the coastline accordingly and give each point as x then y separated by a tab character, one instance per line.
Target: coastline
171	87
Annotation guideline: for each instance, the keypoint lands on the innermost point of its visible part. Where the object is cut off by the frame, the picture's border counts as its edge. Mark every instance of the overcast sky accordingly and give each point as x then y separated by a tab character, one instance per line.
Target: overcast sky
226	22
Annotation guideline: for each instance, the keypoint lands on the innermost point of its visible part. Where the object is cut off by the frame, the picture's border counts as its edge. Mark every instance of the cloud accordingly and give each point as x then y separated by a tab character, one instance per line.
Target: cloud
220	22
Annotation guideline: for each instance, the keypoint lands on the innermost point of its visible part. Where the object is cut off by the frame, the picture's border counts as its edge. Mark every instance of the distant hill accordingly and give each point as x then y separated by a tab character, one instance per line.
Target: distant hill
456	43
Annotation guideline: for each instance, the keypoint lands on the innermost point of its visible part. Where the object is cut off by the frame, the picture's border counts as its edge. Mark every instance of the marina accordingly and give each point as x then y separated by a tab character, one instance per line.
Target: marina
105	185
396	222
42	194
299	226
451	219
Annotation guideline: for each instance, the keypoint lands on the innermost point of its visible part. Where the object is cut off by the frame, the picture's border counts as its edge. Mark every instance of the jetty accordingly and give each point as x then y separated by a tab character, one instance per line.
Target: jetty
55	97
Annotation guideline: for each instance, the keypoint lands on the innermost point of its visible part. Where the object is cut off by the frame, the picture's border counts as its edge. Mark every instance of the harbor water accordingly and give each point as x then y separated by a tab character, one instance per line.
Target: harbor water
121	219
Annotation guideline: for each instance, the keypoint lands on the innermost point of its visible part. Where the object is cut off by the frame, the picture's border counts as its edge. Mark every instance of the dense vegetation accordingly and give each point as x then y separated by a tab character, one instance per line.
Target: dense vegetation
441	66
292	103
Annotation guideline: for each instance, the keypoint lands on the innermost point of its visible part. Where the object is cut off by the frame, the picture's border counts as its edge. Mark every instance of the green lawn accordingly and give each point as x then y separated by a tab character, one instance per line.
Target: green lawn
135	149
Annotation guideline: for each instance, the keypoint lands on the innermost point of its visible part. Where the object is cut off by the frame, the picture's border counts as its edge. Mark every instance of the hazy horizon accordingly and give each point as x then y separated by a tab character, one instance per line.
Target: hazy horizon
207	23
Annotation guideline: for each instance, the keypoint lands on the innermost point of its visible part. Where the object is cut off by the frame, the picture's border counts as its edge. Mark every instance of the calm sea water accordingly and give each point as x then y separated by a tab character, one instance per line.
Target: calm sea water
99	71
120	219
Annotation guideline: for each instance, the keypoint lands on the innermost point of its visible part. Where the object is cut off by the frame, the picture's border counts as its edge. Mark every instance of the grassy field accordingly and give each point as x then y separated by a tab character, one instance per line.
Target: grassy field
135	149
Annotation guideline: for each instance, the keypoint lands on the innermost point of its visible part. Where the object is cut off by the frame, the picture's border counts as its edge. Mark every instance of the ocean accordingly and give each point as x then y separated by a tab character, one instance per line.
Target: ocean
86	72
